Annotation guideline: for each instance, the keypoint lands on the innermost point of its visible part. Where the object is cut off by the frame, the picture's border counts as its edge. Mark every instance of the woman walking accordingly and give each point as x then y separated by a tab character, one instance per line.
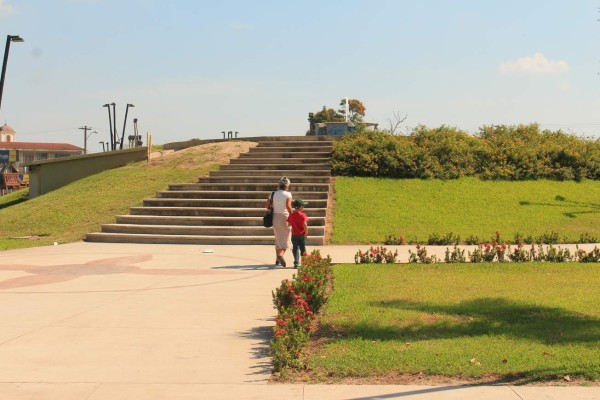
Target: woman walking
281	202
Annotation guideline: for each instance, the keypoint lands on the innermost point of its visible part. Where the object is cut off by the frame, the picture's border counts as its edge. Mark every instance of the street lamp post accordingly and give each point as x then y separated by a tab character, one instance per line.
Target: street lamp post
114	133
124	123
9	39
109	125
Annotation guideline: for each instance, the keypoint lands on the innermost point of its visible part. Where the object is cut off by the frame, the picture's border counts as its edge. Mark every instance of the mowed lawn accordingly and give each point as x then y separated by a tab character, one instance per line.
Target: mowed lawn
369	209
482	322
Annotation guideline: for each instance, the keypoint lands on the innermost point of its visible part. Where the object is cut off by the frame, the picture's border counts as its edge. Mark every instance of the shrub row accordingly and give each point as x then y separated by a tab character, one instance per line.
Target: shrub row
298	301
485	252
450	238
497	152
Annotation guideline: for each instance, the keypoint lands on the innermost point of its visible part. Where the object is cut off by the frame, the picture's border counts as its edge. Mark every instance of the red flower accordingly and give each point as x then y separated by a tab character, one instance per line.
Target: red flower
279	332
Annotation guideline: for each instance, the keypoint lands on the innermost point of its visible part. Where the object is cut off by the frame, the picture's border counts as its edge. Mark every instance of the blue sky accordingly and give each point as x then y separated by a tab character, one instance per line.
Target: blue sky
195	68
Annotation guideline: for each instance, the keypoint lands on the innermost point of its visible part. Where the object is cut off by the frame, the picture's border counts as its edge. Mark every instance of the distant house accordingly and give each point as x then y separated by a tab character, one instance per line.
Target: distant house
340	128
335	128
19	153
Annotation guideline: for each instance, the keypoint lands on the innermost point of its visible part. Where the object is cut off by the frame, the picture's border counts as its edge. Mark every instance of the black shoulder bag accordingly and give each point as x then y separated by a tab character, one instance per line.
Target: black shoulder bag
268	218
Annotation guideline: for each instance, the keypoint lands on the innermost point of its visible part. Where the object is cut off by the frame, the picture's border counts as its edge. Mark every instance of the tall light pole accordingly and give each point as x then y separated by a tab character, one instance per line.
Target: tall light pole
9	38
114	133
110	126
124	123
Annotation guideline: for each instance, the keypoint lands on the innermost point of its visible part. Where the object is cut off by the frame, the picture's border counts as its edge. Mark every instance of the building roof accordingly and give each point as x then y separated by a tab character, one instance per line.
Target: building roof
6	129
39	146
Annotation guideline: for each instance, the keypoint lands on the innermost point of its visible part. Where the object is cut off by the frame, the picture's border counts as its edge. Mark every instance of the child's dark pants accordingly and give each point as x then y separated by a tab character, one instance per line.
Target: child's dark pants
299	248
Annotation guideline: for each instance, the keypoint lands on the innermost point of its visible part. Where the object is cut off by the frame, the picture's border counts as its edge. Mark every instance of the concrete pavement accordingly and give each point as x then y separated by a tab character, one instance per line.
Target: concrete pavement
126	321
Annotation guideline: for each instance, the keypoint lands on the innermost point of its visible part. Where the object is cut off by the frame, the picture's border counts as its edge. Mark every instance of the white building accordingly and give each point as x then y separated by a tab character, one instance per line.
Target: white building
19	153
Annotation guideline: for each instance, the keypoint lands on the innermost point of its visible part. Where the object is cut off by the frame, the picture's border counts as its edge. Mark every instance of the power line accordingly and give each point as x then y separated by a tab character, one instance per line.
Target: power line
51	131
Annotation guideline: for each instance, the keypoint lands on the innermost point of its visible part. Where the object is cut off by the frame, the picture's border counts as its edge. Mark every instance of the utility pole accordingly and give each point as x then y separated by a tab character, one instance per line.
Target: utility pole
85	137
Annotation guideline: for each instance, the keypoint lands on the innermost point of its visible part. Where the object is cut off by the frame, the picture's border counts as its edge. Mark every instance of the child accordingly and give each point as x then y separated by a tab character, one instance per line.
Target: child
299	223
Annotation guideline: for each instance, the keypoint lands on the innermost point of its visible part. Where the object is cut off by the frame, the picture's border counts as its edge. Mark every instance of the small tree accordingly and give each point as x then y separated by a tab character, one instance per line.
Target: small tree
395	123
327	115
356	110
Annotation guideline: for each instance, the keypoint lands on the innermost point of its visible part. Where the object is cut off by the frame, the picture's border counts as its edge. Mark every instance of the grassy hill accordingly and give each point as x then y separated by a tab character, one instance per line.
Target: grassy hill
67	214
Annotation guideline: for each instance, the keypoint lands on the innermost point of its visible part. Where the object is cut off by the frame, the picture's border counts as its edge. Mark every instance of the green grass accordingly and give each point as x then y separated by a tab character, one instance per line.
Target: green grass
482	322
369	209
67	214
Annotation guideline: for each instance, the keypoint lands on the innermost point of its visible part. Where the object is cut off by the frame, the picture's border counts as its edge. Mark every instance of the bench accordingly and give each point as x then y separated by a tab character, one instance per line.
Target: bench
10	181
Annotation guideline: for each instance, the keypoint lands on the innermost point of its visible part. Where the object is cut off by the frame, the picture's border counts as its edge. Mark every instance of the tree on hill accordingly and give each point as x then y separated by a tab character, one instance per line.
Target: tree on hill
356	110
328	115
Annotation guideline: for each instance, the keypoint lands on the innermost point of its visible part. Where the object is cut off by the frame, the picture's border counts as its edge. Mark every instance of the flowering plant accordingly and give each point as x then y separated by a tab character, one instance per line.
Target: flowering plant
585	257
421	256
455	256
297	301
377	255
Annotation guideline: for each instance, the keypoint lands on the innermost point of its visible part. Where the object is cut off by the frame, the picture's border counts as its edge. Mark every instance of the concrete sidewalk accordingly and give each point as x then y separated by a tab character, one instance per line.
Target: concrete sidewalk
126	321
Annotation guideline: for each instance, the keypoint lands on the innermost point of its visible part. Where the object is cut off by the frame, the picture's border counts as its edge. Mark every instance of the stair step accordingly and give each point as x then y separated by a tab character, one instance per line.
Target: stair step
291	173
297	148
273	179
201	221
276	167
227	203
286	143
226	194
205	230
214	211
286	154
189	239
295	187
279	161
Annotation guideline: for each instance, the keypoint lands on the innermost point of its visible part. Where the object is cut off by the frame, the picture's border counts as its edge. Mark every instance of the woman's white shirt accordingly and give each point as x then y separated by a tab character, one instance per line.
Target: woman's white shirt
280	200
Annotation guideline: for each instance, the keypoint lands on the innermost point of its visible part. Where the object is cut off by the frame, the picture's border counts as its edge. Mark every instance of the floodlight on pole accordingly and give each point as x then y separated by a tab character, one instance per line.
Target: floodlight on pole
9	39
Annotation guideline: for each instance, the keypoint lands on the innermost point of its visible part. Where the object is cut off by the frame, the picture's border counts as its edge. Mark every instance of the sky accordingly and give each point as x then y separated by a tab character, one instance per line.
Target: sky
195	68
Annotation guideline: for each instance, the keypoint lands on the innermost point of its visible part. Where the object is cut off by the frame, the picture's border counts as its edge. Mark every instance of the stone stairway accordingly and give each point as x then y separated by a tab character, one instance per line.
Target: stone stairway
227	206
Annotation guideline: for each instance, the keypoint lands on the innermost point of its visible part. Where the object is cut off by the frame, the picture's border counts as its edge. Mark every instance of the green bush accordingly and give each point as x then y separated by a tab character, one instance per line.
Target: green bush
503	152
297	301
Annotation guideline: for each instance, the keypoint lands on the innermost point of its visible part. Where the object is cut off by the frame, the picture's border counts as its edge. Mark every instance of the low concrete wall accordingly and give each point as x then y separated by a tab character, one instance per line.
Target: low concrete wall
48	175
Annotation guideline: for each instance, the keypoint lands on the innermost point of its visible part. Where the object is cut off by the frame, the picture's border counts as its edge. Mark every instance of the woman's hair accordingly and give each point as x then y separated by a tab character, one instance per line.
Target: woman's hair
284	183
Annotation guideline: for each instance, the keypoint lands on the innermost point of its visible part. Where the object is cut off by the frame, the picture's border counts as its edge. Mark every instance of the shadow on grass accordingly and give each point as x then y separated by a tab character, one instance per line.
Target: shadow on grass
534	376
495	317
485	316
13	202
591	208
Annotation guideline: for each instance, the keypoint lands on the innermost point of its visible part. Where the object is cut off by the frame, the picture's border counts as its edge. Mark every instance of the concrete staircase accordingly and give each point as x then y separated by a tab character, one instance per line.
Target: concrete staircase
227	206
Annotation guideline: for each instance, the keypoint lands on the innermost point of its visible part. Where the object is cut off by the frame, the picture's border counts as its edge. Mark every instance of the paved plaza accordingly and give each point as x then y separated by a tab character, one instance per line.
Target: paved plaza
140	321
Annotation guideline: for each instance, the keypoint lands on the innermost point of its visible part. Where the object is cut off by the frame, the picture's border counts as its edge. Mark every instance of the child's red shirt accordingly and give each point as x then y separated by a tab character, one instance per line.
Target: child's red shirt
296	220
